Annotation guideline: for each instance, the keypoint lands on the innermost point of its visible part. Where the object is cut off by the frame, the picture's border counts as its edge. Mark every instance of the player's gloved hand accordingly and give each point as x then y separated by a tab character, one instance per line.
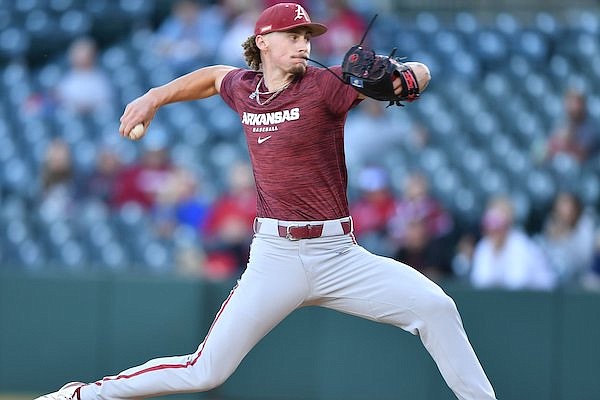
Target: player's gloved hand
381	77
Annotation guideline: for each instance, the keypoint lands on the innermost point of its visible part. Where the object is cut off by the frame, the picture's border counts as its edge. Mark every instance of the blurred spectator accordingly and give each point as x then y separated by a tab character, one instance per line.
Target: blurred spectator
100	184
229	227
190	260
422	252
568	237
505	257
39	104
578	136
595	270
141	182
345	28
417	203
591	278
84	88
179	203
372	210
596	258
189	36
180	213
241	15
372	129
462	259
58	182
420	229
417	138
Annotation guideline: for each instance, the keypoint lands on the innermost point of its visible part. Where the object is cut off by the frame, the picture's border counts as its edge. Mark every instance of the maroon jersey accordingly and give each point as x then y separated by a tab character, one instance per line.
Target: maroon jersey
296	143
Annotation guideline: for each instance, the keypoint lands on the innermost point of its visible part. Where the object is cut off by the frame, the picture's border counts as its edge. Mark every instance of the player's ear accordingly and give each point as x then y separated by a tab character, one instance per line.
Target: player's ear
261	42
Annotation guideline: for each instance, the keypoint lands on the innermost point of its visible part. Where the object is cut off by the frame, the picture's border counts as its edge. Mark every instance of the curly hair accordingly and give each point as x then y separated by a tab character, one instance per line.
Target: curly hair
252	53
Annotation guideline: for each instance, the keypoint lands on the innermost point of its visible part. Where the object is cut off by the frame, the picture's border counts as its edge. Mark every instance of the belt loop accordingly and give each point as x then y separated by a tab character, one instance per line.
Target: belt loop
256	225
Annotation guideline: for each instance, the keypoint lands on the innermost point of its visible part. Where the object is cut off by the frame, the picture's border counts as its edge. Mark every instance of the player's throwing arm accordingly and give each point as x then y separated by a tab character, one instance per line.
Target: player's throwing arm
199	84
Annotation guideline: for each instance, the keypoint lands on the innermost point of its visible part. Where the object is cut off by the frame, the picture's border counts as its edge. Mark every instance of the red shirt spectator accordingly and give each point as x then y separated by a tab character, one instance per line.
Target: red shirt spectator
100	183
229	227
141	182
236	207
417	203
376	205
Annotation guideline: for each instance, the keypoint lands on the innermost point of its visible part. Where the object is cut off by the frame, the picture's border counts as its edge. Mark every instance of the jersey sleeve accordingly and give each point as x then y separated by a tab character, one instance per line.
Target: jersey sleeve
227	87
339	96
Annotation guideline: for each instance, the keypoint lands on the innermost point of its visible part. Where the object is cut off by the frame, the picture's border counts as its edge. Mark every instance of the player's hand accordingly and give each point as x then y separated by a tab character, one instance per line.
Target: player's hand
140	110
397	84
421	72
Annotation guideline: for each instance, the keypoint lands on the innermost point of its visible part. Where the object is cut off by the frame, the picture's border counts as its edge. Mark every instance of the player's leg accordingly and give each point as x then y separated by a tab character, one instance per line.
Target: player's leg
357	282
273	285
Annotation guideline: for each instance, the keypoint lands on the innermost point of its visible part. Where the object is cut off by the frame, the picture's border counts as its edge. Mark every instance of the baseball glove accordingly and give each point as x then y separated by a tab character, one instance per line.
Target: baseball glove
372	75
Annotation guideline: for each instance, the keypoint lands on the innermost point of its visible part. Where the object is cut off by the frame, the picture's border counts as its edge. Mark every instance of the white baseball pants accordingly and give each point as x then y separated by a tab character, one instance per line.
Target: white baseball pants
330	271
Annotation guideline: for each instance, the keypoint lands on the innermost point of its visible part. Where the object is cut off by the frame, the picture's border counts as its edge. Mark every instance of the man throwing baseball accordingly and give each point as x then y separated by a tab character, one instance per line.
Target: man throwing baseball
303	252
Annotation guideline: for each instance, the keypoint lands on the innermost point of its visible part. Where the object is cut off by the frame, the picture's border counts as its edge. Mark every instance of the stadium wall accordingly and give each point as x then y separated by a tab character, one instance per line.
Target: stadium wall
55	329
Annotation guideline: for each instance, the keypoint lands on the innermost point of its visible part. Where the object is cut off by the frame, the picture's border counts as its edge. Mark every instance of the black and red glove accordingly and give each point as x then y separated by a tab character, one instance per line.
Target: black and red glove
372	75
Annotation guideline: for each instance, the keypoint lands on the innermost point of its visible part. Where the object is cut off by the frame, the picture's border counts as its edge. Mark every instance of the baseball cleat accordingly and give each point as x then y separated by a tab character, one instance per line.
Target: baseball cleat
67	392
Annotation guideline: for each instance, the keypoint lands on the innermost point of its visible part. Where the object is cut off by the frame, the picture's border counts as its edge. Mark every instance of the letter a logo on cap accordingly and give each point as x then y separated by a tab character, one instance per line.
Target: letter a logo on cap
300	13
283	17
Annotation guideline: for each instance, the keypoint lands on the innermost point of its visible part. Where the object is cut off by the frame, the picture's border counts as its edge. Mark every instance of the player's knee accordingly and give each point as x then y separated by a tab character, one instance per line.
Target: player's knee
216	380
447	304
207	379
440	304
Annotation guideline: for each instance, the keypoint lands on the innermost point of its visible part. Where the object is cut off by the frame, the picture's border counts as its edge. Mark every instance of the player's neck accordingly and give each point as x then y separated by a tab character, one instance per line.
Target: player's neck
275	79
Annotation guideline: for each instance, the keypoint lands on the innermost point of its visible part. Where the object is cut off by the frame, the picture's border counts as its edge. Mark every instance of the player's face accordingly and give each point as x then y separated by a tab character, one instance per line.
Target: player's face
288	50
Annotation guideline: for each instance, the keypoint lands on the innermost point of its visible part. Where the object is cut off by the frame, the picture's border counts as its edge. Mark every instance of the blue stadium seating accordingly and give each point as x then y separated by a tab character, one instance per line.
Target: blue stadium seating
495	94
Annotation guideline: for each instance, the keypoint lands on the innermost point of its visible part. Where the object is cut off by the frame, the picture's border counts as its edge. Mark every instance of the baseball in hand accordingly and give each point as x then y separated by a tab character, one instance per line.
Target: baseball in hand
137	132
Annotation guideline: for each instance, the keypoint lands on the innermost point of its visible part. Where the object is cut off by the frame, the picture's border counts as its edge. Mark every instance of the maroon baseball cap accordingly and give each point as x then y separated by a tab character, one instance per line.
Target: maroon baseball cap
284	17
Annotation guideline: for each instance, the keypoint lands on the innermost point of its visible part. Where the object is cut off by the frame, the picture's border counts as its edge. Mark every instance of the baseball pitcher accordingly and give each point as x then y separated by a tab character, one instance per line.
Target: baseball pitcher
303	251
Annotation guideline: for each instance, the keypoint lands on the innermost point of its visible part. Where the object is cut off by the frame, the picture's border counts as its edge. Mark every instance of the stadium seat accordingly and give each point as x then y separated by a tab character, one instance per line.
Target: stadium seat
466	22
31	255
588	187
493	99
540	185
14	42
113	256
